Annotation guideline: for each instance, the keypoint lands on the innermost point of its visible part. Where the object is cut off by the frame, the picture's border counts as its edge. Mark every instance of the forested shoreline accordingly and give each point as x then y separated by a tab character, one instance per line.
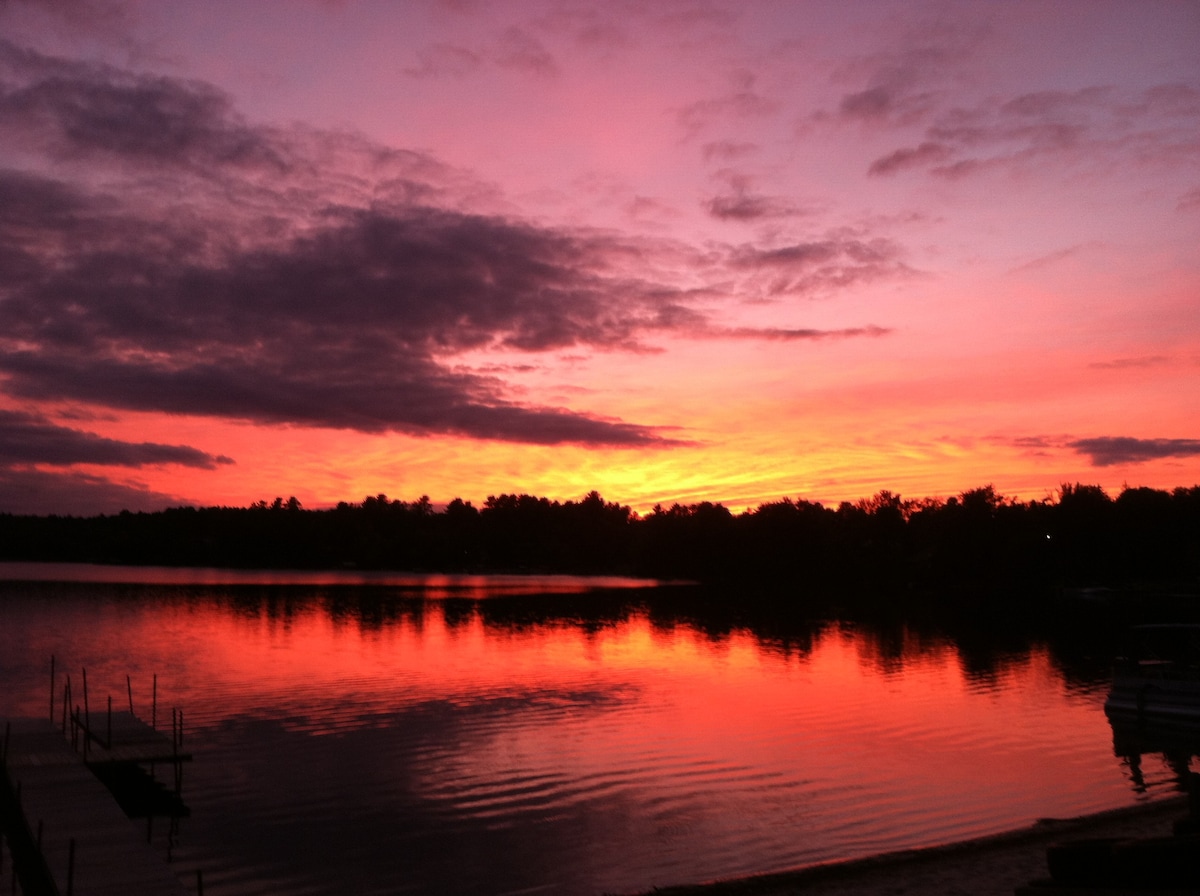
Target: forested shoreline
1082	537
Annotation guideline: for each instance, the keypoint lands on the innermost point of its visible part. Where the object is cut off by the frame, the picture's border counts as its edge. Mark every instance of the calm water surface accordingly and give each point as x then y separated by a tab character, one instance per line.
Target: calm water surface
360	735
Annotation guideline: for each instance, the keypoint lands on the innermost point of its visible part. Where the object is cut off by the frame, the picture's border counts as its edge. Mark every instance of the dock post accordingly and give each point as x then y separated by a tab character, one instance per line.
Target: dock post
154	704
87	716
66	703
51	689
176	740
178	760
129	688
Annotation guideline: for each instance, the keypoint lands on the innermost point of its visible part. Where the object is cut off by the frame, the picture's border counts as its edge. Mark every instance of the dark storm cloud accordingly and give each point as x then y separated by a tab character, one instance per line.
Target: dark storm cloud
294	276
70	492
30	439
1107	451
31	203
71	109
342	327
286	307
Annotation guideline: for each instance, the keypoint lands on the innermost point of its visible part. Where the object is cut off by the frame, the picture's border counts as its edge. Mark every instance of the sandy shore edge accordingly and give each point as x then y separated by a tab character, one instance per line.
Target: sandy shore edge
996	864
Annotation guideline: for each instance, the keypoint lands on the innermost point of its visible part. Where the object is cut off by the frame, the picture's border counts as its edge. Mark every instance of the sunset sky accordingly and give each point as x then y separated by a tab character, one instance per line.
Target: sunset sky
670	251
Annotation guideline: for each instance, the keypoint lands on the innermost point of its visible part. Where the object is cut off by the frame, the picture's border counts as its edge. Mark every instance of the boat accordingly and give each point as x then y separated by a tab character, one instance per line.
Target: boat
1159	681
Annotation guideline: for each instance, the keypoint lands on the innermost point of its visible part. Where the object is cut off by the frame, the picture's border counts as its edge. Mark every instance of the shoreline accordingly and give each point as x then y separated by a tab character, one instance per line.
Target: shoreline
994	864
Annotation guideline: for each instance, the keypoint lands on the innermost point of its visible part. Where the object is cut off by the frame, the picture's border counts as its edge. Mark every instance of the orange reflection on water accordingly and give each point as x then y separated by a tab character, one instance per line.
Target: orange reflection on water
648	688
715	754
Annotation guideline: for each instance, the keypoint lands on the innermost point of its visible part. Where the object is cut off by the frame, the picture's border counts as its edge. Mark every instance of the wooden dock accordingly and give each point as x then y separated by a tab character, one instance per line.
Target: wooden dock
63	825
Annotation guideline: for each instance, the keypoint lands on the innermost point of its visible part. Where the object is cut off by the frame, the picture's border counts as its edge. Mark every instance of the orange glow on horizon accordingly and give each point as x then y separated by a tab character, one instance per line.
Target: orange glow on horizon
687	266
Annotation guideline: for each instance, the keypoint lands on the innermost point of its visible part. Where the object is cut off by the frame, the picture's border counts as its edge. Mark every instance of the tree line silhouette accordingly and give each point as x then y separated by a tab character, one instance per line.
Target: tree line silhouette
1082	537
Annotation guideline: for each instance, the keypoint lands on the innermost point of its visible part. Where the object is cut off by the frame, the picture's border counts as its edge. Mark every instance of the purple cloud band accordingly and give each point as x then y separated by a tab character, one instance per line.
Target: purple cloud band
1107	451
287	276
29	439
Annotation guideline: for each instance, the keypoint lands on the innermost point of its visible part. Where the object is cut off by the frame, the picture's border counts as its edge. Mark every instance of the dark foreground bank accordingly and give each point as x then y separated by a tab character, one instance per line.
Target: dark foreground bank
989	866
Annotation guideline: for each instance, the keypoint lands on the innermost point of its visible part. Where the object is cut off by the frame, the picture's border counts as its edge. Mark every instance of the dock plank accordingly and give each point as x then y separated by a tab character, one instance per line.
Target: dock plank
60	794
126	738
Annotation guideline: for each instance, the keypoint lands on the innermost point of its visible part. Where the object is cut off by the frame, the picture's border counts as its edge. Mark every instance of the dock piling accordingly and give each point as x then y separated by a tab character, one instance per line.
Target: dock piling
87	716
55	790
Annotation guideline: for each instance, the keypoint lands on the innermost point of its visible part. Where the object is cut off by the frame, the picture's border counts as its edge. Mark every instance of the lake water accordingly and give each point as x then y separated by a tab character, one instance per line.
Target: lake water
358	734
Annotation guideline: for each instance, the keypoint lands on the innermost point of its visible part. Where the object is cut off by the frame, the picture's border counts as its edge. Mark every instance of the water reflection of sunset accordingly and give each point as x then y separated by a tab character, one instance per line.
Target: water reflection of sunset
690	754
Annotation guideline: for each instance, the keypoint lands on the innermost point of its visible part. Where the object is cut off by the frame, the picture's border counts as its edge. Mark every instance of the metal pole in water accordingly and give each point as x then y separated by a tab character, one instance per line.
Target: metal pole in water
7	733
179	759
109	732
129	688
51	689
87	715
154	704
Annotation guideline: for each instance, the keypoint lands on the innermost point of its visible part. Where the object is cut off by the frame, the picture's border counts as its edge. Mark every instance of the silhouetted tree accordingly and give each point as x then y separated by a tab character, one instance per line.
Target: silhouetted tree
975	543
